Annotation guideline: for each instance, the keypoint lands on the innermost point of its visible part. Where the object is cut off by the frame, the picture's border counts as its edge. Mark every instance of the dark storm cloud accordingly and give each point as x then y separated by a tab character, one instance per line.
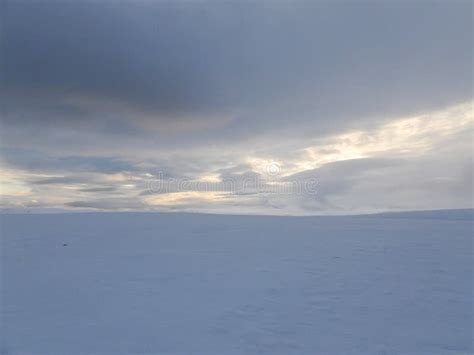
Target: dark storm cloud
159	64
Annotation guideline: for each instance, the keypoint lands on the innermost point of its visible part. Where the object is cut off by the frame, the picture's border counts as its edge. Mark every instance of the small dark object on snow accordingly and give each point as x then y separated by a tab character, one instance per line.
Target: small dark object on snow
64	245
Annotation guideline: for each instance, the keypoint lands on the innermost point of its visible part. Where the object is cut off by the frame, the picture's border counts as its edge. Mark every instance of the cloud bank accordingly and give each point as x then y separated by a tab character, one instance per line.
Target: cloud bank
104	99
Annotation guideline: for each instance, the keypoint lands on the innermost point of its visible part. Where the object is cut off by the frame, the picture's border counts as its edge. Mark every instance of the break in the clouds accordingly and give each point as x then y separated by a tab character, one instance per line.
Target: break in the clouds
237	107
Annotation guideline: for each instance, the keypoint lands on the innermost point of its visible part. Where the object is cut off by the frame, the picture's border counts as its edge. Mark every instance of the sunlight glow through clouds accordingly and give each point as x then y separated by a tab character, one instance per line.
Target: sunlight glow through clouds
409	136
248	101
412	135
210	178
175	198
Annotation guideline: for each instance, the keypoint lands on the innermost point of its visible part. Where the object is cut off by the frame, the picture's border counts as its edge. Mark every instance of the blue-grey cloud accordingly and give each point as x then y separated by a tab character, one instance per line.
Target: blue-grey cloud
108	204
101	98
168	63
37	160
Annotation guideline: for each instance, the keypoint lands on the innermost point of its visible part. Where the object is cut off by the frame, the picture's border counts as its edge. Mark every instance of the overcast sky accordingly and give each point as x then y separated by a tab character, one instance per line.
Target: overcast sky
249	107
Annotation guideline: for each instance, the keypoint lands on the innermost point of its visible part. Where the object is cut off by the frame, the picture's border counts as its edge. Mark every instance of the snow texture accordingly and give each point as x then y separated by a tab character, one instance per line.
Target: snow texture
137	283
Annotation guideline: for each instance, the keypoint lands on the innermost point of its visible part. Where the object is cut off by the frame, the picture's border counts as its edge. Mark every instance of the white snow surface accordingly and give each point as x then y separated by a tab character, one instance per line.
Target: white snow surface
144	283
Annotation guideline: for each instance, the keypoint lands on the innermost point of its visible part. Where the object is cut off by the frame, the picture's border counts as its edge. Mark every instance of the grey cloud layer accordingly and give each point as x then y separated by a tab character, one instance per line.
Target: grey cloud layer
163	64
138	88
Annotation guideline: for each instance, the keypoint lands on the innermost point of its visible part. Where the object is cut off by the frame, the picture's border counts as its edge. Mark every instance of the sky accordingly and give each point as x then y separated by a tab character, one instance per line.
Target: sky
239	107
